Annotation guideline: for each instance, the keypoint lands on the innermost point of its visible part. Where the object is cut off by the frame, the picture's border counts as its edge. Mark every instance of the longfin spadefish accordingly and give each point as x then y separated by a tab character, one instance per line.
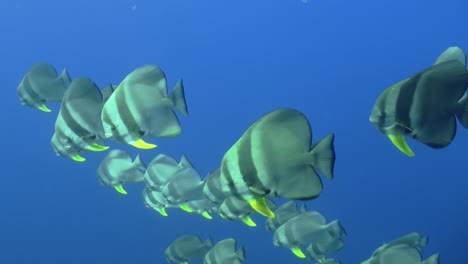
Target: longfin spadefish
44	108
120	189
139	143
400	143
260	206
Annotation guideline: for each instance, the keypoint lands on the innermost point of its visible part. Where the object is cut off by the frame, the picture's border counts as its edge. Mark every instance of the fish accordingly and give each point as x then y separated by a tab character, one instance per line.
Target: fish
225	252
412	239
162	168
283	213
319	250
41	85
236	209
275	158
141	108
212	189
117	168
405	249
155	200
78	122
187	248
183	186
65	148
203	207
305	228
426	105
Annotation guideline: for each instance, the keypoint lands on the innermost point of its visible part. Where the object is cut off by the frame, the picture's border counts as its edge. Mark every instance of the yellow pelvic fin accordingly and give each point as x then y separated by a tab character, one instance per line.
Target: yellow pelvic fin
162	211
248	221
298	252
142	144
261	207
97	147
400	143
44	108
78	158
186	208
207	215
120	189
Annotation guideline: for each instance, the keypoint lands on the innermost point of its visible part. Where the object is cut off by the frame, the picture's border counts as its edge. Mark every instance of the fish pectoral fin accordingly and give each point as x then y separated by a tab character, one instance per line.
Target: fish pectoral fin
400	143
120	189
260	206
44	108
186	208
97	147
207	215
248	221
162	211
298	252
139	143
78	158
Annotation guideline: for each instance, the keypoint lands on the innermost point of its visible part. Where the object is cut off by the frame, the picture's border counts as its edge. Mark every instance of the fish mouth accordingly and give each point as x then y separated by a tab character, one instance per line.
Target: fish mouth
373	119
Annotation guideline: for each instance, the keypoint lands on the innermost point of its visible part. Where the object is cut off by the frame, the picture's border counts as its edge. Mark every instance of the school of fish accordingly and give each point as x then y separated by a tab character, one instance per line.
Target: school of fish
258	169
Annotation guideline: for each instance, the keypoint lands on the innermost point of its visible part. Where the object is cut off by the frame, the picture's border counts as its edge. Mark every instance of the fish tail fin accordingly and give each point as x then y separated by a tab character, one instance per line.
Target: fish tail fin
65	77
303	208
423	242
177	98
241	253
208	243
462	110
336	229
323	156
434	259
138	163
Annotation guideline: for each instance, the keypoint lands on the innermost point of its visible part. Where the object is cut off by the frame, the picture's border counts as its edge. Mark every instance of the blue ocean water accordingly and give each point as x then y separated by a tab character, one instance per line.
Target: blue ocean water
239	60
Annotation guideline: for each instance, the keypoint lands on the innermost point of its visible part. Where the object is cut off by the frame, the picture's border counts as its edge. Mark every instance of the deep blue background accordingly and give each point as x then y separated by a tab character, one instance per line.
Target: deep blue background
239	59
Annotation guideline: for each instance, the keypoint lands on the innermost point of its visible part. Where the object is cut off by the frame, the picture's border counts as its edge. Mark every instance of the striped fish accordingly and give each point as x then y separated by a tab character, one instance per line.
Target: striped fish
225	252
203	207
141	108
117	168
183	186
78	122
305	228
162	168
236	209
212	189
155	200
274	157
425	106
283	213
41	85
65	148
187	248
406	249
319	250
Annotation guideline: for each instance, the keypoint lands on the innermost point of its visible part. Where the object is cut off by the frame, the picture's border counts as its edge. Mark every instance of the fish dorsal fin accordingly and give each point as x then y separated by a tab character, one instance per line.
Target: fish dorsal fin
452	53
83	89
185	162
139	164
